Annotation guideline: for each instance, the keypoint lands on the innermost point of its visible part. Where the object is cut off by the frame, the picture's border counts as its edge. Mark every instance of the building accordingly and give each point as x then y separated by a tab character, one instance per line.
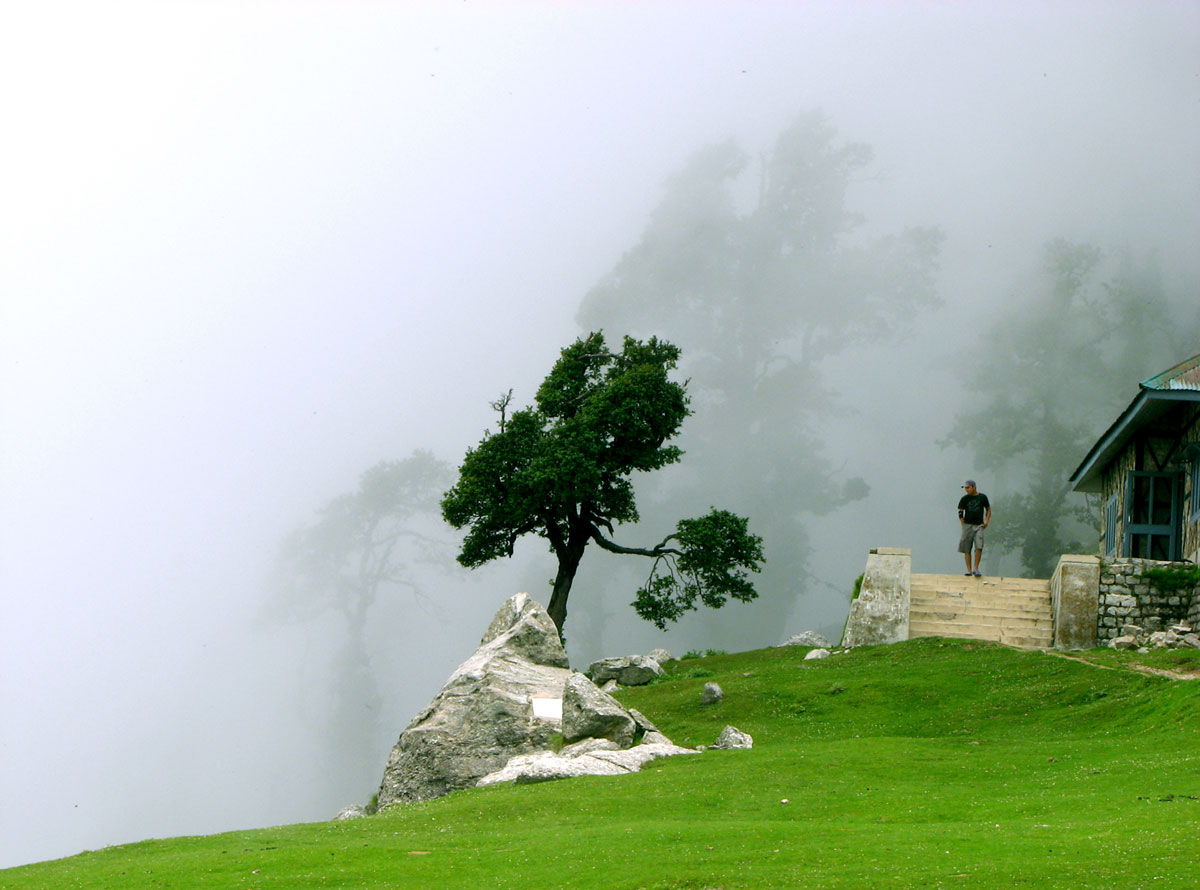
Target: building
1146	468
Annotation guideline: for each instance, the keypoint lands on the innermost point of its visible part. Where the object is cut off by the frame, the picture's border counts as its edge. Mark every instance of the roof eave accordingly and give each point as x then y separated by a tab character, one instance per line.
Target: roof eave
1088	475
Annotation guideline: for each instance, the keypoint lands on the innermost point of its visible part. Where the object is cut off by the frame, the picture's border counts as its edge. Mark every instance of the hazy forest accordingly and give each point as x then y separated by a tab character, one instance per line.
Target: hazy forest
268	277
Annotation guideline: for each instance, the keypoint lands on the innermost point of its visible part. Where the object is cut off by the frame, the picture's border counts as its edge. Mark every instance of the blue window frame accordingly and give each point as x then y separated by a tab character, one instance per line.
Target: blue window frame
1195	499
1110	526
1153	506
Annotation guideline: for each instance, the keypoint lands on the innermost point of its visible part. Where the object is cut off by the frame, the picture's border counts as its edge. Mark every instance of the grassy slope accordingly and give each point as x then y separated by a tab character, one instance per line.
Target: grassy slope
932	763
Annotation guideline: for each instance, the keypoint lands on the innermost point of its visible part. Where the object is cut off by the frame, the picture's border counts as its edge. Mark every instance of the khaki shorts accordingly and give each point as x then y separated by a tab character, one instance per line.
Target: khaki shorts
972	538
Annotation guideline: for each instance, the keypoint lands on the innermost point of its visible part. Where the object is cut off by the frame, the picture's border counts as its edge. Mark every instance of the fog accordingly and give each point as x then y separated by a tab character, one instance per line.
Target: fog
249	250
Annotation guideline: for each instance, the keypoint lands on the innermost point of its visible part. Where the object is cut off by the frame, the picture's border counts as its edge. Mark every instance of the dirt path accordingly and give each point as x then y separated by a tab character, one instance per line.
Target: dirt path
1132	666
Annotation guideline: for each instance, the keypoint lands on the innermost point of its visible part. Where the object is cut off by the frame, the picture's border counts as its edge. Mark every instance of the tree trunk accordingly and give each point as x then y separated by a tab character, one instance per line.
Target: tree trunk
568	564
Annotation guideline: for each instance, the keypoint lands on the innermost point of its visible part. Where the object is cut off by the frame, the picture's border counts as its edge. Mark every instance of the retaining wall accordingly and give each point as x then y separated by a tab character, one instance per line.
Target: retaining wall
1127	598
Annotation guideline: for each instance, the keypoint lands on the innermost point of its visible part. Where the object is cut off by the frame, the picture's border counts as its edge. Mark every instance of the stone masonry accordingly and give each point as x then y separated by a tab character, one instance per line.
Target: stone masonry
1128	599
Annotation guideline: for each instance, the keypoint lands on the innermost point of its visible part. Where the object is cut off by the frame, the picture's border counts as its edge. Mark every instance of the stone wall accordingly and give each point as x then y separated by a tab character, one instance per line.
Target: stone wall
1126	598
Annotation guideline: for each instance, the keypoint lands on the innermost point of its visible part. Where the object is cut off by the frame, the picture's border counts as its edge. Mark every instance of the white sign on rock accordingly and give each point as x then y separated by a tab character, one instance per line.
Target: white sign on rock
547	708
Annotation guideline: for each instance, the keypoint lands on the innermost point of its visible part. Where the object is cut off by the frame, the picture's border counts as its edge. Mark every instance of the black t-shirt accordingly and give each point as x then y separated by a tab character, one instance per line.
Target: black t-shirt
973	507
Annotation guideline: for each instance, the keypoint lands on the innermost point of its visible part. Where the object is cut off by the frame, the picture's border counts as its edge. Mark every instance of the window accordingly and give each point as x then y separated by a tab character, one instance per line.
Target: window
1110	526
1153	502
1195	511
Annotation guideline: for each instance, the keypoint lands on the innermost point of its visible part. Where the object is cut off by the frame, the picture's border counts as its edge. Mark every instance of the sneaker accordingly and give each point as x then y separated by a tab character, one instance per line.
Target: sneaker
968	574
976	574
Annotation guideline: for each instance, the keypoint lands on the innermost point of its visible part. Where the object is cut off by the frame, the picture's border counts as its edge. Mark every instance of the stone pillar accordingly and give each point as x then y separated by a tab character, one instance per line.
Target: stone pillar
880	613
1075	601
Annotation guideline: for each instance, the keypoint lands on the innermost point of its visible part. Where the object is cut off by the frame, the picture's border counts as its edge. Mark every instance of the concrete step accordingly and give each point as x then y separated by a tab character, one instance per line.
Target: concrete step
1012	611
1007	636
978	590
995	619
957	581
983	605
935	626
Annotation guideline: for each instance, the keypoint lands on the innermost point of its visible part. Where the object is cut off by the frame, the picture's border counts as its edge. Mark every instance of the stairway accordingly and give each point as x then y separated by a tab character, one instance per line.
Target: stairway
1012	611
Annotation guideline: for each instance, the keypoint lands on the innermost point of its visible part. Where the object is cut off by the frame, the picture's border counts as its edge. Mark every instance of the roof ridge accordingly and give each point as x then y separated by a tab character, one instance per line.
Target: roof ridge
1185	375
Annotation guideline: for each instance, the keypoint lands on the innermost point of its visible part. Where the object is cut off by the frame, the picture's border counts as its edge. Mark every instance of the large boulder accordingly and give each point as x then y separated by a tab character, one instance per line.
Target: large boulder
503	701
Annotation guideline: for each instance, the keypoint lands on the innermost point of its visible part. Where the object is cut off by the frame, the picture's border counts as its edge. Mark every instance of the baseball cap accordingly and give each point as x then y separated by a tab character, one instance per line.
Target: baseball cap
968	483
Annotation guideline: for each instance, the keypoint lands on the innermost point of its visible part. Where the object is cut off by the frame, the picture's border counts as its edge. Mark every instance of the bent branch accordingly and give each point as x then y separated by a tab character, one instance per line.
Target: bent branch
659	550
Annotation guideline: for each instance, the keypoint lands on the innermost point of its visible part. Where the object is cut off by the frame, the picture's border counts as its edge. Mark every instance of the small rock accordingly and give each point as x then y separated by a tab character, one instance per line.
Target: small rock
355	811
816	654
712	694
1123	642
731	737
662	656
654	737
628	670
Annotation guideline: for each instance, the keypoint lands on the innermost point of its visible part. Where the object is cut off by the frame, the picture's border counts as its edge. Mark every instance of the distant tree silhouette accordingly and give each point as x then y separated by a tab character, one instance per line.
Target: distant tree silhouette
760	288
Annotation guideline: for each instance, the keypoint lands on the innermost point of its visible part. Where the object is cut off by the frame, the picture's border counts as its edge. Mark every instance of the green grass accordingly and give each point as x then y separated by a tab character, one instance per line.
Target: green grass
933	763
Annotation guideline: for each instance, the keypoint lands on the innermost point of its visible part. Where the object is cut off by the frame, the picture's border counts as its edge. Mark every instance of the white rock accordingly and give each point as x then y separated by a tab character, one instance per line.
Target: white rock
712	694
547	766
731	737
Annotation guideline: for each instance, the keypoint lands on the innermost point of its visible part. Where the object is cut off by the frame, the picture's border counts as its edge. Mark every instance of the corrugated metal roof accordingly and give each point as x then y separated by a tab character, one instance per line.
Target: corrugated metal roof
1185	375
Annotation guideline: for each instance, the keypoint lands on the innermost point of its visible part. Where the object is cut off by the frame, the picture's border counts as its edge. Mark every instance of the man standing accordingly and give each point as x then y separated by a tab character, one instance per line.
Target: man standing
974	513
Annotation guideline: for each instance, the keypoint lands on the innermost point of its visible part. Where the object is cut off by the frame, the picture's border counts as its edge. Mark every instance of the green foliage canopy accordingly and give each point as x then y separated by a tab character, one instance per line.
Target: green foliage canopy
561	469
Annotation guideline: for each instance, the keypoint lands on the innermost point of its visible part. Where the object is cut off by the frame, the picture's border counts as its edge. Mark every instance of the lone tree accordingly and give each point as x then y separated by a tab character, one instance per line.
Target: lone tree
561	470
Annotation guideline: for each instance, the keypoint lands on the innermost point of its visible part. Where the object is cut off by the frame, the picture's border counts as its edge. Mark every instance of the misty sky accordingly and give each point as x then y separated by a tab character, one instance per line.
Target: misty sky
249	249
